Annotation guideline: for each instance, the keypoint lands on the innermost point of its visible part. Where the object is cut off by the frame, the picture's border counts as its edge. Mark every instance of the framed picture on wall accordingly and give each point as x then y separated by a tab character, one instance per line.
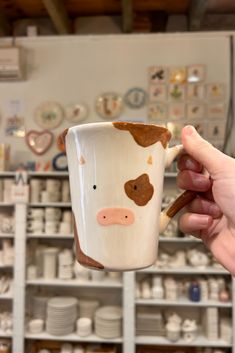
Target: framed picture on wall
215	91
195	91
196	73
178	75
176	111
158	74
195	111
157	111
176	92
216	110
216	130
157	92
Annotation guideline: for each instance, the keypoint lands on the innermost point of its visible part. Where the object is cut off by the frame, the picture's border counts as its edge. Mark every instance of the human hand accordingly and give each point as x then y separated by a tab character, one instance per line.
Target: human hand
211	215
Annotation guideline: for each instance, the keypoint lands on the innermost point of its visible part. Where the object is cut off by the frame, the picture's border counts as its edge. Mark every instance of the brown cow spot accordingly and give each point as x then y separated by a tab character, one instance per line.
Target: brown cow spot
145	135
82	160
140	190
150	160
61	141
82	258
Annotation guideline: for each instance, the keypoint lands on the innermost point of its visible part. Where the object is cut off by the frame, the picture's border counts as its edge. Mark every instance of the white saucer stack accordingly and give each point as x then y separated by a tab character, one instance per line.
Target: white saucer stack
61	315
149	324
108	322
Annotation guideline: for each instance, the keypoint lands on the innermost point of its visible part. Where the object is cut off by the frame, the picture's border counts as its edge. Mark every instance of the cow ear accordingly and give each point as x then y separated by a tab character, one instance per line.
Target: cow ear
61	141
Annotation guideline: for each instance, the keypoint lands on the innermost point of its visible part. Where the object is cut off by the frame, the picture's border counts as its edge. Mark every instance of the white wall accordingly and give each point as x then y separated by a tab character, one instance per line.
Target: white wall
75	69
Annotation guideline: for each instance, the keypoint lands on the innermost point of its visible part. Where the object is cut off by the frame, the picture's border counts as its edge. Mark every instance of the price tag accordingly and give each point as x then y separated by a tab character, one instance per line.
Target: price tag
20	190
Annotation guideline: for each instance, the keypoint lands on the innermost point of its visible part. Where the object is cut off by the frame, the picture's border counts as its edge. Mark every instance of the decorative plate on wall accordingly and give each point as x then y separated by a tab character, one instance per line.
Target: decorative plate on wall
109	105
135	98
39	141
49	115
75	113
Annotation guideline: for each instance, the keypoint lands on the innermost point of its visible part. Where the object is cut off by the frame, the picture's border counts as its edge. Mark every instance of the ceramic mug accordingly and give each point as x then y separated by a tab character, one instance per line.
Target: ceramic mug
116	172
52	214
35	226
51	227
36	214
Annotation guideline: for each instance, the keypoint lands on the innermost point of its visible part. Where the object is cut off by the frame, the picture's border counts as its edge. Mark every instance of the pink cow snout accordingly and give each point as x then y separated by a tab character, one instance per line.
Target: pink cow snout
115	215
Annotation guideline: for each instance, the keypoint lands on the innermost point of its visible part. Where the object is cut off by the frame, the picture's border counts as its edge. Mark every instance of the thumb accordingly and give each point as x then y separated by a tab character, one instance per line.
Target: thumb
201	150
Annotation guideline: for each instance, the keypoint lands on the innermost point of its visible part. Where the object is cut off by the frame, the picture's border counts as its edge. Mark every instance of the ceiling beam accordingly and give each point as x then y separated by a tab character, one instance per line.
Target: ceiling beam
196	13
58	14
5	26
127	16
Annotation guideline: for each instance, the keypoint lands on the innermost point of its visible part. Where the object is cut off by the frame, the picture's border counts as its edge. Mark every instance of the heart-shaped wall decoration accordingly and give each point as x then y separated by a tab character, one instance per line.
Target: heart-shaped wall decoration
39	141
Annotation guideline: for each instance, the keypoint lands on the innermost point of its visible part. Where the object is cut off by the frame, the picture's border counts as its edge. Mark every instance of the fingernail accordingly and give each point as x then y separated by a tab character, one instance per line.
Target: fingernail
200	221
189	130
189	164
200	180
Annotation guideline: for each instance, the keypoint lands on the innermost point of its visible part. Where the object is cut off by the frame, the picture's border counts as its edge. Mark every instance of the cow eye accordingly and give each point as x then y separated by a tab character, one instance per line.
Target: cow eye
135	187
94	187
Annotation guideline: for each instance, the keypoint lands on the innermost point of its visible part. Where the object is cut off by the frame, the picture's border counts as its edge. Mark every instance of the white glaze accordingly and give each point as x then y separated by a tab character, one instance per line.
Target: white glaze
102	155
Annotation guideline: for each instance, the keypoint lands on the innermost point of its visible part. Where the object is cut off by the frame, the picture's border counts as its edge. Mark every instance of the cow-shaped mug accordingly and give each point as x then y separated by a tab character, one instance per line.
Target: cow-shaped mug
116	172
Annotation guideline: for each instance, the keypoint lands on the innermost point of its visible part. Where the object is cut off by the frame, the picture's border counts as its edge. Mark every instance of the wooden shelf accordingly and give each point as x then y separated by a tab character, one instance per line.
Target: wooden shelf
200	341
50	236
74	283
183	302
186	270
73	337
50	204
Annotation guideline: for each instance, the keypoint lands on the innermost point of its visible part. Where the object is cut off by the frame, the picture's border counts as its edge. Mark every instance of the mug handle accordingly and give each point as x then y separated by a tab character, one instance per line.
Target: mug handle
182	200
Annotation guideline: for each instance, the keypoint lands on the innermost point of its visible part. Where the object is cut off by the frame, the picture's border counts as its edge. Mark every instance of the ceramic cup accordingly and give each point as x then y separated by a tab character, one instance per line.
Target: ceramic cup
50	263
36	214
36	326
65	228
116	172
36	186
52	214
51	227
45	196
35	226
67	216
53	185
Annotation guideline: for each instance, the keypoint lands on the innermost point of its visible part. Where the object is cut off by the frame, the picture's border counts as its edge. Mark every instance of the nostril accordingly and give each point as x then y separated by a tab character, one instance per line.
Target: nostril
115	215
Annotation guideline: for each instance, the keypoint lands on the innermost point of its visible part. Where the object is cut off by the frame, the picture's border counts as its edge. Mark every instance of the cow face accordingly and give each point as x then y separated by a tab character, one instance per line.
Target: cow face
116	178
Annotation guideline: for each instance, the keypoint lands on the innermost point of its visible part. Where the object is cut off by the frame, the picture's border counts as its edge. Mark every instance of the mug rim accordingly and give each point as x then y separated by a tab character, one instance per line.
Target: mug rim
111	123
144	134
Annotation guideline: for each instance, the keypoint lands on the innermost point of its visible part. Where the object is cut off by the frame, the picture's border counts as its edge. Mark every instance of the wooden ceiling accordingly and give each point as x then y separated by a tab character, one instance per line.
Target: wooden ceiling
63	12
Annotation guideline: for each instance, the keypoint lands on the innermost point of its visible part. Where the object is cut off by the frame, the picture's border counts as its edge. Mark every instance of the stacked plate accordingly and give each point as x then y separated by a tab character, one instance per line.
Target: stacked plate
87	308
61	315
108	322
149	324
39	307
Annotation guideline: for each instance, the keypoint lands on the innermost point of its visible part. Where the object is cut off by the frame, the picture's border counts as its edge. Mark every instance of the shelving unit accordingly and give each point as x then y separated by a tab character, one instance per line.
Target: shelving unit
183	302
4	334
200	341
51	204
125	288
74	283
71	338
8	297
50	236
187	271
